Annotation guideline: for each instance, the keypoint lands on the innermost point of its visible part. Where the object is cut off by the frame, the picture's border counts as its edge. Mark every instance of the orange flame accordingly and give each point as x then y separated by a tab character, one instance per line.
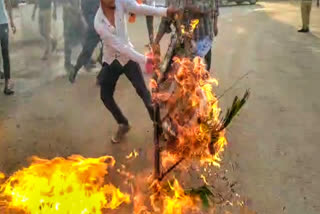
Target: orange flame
173	200
72	185
193	24
203	177
132	155
179	203
198	117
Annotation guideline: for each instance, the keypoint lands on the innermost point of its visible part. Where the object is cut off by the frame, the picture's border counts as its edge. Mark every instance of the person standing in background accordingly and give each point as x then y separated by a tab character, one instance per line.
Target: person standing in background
45	10
5	5
207	28
89	9
306	6
149	20
73	29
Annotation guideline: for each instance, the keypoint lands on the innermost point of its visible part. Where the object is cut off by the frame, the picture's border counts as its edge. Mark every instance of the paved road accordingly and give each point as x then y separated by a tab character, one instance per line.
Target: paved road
273	144
275	140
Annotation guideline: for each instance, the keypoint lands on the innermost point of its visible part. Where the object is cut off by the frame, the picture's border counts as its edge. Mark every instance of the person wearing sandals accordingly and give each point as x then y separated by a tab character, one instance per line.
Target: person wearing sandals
5	5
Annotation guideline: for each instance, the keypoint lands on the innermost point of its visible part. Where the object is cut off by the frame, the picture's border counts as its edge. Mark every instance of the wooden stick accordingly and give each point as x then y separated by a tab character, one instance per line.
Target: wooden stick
157	152
170	169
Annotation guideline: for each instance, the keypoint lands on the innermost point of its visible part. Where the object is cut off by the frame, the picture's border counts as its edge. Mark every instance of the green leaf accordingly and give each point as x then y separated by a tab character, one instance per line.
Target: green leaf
234	110
203	193
205	201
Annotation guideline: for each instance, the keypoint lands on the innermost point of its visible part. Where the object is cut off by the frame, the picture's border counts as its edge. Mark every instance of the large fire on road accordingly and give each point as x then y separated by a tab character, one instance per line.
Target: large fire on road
62	186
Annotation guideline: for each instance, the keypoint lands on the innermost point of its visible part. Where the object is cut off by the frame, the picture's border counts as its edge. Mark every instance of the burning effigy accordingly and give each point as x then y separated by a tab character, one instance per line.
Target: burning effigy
189	125
187	111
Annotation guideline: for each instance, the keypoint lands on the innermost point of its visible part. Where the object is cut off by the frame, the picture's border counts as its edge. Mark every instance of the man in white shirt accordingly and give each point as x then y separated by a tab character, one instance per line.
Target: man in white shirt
120	57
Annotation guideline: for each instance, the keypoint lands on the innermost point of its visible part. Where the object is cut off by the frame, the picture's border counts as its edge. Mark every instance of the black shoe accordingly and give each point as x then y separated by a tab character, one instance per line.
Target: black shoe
72	75
123	129
302	30
1	75
307	30
8	91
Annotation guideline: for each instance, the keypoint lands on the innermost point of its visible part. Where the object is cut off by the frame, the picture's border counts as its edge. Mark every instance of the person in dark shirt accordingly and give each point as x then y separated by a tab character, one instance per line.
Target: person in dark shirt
45	10
89	9
73	29
207	27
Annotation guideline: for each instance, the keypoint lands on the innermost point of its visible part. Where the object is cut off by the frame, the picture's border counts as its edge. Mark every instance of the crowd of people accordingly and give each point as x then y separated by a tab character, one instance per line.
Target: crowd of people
89	22
78	28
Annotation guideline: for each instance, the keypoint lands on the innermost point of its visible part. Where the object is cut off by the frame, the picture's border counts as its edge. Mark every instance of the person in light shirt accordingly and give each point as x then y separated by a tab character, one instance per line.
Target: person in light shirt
120	57
5	5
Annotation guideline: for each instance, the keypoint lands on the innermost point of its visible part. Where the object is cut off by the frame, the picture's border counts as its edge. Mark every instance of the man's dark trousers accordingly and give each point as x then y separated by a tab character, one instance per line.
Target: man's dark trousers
108	78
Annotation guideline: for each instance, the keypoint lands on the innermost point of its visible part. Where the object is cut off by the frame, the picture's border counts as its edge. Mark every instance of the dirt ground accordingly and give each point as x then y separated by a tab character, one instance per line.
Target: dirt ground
273	144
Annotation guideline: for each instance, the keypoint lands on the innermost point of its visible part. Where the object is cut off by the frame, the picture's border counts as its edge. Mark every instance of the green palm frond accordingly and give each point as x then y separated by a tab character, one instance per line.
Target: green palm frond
234	110
203	192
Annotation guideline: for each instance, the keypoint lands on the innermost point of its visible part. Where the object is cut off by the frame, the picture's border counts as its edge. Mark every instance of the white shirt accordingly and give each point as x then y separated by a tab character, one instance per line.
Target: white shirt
116	43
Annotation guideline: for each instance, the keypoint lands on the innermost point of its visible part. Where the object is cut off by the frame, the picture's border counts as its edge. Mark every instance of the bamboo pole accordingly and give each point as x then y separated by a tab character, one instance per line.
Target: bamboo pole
157	152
